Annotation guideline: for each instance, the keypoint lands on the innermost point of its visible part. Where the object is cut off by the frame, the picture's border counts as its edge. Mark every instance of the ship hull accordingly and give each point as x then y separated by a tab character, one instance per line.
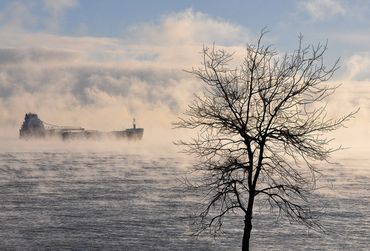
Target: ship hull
33	127
129	134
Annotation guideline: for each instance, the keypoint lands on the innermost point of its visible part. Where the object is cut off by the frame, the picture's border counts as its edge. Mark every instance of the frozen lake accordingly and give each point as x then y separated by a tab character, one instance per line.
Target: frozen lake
56	200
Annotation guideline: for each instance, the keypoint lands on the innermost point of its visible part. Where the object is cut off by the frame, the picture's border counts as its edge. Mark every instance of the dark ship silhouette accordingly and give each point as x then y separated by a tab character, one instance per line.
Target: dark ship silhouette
33	127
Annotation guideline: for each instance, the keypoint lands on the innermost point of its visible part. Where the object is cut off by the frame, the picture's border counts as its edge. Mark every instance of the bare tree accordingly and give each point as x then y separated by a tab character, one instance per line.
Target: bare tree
262	128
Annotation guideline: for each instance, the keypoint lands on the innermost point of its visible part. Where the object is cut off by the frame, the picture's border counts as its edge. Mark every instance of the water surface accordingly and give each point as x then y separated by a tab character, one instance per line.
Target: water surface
54	200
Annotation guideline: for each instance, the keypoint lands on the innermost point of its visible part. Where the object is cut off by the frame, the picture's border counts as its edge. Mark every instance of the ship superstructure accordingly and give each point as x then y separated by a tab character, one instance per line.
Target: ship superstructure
34	127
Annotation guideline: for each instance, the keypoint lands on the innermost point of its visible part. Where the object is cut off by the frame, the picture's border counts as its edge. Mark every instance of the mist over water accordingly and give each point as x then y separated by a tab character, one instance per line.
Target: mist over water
127	195
59	62
155	142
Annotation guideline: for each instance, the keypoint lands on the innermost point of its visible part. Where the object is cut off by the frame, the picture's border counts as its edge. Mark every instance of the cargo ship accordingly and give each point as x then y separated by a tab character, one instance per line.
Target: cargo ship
34	127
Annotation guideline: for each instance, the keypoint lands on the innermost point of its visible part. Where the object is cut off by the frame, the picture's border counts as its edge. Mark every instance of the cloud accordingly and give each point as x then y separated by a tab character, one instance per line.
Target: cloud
10	56
178	37
322	9
351	95
357	67
17	16
189	27
55	8
35	15
101	83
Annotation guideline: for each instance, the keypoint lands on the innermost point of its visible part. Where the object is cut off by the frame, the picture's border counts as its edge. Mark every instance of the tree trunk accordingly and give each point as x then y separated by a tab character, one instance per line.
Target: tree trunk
248	221
247	231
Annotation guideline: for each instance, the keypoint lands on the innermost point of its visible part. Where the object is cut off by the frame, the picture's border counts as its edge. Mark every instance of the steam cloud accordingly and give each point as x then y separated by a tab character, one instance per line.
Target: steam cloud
102	83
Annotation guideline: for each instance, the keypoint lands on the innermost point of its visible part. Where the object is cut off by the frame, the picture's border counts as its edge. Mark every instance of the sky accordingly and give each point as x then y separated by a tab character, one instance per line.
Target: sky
97	64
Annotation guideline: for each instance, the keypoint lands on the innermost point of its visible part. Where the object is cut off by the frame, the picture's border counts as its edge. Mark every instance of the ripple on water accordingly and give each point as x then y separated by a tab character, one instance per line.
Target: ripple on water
95	201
